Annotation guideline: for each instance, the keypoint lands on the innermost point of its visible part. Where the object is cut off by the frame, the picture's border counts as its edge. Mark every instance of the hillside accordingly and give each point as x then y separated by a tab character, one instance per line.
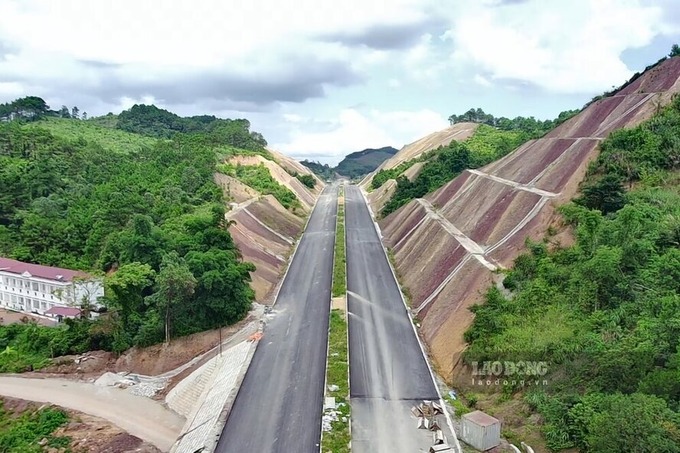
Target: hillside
140	210
253	178
269	203
362	162
466	233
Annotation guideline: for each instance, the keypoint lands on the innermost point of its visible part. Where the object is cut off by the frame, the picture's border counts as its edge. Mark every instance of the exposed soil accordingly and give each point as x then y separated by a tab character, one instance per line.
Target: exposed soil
492	211
88	434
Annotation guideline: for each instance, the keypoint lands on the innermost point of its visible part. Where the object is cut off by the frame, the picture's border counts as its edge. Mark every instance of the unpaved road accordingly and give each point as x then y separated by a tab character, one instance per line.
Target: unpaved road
139	416
278	407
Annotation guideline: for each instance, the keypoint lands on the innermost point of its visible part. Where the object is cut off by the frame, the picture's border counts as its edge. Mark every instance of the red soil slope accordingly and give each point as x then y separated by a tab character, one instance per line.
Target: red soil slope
263	229
480	220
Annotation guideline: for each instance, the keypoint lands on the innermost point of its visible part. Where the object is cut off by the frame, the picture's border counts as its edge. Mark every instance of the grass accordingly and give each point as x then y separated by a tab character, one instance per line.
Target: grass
339	283
337	440
260	178
110	139
24	432
337	373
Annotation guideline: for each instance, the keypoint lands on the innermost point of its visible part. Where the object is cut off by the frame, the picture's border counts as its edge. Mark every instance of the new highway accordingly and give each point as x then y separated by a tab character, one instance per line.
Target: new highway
279	405
388	371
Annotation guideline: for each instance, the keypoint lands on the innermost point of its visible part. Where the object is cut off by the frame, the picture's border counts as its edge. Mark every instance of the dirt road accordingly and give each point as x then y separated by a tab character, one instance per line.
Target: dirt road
137	415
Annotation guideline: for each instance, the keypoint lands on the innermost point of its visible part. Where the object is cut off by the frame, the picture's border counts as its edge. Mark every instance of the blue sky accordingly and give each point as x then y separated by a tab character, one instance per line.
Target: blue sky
322	78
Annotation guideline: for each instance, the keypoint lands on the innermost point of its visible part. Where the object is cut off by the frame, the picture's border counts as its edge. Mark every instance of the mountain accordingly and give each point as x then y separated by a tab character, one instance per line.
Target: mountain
362	162
323	171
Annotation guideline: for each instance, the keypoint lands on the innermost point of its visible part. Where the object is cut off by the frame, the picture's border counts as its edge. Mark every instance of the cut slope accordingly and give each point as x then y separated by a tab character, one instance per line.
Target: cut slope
458	132
442	244
262	228
379	197
306	195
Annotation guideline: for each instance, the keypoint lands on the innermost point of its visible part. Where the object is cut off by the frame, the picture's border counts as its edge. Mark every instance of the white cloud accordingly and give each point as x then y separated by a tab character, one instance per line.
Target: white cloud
575	47
286	63
353	130
481	80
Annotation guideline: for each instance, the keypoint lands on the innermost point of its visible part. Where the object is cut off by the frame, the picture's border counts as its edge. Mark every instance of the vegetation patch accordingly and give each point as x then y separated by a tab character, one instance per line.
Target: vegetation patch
603	313
308	180
111	139
150	218
259	178
385	175
32	431
26	347
337	439
339	278
323	171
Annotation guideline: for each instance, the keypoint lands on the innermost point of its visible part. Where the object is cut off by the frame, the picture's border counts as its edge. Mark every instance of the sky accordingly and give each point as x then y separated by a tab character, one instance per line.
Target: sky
320	78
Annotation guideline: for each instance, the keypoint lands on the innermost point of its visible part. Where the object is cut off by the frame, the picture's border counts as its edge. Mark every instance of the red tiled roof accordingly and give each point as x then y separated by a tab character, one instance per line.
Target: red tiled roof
63	311
36	270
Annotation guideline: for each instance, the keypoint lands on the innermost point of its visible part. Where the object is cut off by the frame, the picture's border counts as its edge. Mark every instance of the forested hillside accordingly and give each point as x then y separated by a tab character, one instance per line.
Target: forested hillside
354	165
323	171
76	196
604	313
363	162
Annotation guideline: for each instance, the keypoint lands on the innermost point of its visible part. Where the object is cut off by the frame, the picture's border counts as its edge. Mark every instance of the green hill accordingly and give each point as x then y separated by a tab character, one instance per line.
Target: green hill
92	132
142	210
323	171
363	162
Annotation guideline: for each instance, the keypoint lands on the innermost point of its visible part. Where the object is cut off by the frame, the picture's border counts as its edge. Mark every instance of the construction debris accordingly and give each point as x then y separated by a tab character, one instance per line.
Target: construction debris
426	413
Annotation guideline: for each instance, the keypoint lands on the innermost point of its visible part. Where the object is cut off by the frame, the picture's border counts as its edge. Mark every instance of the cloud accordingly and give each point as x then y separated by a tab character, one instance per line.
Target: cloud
481	80
388	36
240	53
574	49
354	130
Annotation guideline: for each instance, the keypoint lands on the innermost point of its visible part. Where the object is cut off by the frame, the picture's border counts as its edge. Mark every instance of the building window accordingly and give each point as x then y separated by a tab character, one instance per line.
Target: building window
42	288
35	286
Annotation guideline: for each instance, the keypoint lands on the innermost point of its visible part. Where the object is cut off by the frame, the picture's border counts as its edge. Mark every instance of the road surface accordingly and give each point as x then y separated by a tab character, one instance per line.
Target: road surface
140	416
279	405
388	372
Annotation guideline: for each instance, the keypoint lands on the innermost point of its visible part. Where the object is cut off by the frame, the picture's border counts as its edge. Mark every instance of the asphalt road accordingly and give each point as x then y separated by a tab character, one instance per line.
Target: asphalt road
279	405
388	372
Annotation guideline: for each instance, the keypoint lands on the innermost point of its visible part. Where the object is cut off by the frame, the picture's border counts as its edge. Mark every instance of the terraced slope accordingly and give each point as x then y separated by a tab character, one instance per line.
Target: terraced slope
448	244
380	196
263	229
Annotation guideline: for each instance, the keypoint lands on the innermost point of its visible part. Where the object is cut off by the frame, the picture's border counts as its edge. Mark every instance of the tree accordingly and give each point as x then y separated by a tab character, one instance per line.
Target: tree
175	284
128	285
74	112
63	112
84	115
675	51
307	180
606	195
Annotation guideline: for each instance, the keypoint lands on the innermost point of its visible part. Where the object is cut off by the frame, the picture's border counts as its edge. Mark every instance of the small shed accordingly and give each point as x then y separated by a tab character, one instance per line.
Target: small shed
481	430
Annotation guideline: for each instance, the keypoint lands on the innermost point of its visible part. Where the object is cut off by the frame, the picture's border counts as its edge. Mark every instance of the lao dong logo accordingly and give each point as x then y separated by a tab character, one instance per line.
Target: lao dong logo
520	373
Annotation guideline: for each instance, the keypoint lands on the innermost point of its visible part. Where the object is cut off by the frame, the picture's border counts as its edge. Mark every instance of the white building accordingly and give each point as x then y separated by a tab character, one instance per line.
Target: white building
33	288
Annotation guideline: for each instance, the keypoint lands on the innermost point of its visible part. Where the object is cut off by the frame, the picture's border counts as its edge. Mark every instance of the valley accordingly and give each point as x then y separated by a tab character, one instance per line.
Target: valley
524	268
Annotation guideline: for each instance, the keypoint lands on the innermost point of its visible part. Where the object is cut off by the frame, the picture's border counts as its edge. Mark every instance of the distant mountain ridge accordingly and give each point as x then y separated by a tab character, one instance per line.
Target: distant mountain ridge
354	165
